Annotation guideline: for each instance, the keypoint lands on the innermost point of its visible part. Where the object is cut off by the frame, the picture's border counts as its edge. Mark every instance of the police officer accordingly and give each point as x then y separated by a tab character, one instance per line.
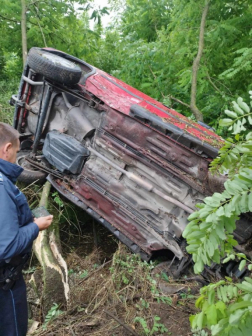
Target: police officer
18	230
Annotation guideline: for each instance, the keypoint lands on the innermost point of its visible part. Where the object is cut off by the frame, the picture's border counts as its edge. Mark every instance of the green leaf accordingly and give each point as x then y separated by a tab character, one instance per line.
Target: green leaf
207	224
200	320
216	256
211	296
242	265
192	248
192	226
221	307
145	85
220	230
216	329
248	280
245	286
246	174
195	234
226	122
228	258
240	255
249	136
243	105
237	108
193	216
250	120
236	316
211	314
231	114
230	292
243	204
198	303
250	201
223	293
239	305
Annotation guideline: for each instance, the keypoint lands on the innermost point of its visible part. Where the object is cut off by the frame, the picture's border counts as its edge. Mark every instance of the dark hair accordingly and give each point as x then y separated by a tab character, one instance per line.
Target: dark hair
8	134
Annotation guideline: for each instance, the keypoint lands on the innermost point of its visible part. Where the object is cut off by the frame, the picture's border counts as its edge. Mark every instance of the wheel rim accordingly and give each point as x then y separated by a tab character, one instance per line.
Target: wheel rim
22	162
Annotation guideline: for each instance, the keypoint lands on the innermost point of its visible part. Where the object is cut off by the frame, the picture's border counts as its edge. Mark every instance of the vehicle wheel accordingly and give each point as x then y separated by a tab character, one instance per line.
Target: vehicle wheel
30	174
54	67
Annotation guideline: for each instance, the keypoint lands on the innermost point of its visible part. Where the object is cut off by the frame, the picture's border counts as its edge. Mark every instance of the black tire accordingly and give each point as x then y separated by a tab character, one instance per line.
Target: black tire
54	67
30	174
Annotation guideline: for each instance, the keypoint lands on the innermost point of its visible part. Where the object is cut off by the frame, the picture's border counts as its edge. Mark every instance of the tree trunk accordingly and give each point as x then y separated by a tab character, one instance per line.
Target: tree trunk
55	273
23	30
196	62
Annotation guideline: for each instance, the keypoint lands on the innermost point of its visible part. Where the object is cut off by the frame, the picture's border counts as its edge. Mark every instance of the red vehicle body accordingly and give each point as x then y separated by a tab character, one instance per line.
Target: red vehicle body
137	166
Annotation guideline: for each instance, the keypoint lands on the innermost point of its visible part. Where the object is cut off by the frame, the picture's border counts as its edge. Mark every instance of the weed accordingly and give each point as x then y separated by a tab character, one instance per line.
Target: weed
165	277
157	326
52	314
29	270
129	269
57	199
70	271
7	89
84	274
143	304
95	266
164	299
187	295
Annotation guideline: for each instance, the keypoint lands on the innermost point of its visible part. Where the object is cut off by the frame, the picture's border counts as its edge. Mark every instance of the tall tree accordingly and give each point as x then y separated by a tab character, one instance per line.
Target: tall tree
23	30
196	64
162	66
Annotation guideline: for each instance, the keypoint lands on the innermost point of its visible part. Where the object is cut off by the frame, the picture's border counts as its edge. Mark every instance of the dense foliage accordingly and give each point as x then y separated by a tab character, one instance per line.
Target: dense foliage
63	25
150	45
225	306
160	62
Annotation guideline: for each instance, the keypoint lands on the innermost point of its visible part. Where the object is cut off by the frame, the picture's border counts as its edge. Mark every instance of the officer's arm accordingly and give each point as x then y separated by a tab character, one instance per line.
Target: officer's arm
13	239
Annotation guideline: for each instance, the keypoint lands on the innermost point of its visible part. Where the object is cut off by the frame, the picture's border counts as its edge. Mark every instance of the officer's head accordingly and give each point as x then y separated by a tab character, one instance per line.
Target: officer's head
9	143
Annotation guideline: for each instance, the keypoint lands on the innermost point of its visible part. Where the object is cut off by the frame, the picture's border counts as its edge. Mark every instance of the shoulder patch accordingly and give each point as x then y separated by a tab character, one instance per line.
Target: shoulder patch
1	178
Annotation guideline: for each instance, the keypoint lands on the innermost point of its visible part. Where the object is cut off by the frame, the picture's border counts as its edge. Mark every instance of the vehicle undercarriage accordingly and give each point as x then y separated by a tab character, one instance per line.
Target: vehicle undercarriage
138	174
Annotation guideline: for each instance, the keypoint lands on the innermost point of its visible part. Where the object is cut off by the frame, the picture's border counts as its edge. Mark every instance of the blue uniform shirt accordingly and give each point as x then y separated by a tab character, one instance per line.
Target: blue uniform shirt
17	229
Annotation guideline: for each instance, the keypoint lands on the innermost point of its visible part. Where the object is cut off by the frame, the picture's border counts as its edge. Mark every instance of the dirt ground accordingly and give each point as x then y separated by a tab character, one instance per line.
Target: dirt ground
112	292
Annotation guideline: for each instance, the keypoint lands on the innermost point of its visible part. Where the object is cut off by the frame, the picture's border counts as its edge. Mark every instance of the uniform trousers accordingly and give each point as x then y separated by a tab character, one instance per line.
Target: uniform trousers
13	310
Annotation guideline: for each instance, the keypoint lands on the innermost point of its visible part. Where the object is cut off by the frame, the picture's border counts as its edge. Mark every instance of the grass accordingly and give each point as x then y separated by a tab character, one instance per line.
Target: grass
7	89
121	295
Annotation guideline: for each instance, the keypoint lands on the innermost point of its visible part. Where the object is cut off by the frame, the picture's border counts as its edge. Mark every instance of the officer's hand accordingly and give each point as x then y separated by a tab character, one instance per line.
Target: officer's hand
43	222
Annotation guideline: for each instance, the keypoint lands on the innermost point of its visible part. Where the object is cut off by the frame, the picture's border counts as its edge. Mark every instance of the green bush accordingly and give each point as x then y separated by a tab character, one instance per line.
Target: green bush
226	307
7	89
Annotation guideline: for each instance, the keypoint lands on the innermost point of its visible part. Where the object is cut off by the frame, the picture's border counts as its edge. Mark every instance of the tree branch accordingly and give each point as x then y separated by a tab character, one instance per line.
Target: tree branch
129	329
8	19
196	63
213	85
38	19
170	96
179	101
210	80
156	78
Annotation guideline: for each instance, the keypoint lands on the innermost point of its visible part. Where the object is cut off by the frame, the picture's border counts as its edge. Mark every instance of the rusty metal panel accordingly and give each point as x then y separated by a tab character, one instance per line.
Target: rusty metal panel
158	148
